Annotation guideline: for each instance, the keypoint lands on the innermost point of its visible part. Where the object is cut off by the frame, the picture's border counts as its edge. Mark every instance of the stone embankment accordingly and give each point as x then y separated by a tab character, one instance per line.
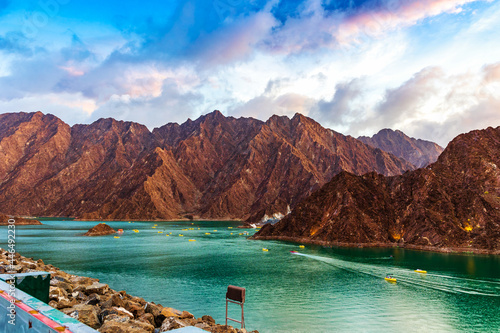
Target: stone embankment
106	310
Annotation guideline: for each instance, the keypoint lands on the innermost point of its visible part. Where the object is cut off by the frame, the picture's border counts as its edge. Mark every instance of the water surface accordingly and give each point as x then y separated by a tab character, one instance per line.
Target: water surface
321	290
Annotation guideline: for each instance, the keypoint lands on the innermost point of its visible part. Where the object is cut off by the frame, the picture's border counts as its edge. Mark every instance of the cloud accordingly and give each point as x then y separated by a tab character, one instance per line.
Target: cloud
262	107
317	27
15	43
431	105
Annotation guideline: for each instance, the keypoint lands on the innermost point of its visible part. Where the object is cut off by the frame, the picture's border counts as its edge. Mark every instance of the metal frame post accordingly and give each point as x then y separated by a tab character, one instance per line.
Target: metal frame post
236	295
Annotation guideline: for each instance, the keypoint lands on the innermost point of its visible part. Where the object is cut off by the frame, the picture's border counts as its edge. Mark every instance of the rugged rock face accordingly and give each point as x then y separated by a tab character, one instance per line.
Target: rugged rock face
101	229
418	152
4	220
452	204
214	167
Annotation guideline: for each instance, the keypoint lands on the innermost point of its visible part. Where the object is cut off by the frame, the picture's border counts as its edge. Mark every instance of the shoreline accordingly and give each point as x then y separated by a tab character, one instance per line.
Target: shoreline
455	250
109	311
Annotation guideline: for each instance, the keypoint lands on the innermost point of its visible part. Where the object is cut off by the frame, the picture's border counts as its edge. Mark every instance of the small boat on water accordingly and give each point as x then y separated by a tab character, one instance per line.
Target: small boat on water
265	250
135	230
117	237
192	240
390	278
301	246
293	252
120	231
421	271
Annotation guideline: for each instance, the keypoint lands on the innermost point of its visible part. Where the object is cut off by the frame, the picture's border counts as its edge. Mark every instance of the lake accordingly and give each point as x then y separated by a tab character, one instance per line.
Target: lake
318	290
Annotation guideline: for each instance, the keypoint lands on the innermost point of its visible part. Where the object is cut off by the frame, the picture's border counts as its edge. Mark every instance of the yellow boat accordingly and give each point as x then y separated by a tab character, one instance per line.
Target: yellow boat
390	278
420	271
301	246
192	240
265	250
135	230
117	237
207	233
181	235
160	232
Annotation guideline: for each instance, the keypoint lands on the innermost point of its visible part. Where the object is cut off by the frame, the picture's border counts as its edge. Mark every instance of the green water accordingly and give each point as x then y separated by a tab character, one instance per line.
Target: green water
324	290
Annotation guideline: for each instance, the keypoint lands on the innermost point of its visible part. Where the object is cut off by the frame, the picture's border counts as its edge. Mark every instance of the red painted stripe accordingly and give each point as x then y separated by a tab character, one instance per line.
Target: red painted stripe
34	313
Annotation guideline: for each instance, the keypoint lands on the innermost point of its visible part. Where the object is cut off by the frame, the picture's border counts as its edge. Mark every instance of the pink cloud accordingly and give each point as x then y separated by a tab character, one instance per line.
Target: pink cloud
385	19
315	28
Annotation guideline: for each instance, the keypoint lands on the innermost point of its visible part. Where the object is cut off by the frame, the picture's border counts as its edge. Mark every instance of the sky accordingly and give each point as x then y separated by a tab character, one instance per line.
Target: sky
430	68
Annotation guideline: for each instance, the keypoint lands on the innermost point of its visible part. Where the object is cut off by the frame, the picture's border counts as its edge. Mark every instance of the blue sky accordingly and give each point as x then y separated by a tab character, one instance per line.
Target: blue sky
430	68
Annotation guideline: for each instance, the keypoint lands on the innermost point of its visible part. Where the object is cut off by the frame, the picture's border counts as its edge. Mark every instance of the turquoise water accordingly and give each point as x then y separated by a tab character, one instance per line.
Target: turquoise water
319	290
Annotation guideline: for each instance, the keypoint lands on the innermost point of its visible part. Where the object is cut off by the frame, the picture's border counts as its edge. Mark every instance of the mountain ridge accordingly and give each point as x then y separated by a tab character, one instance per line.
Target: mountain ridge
214	167
453	203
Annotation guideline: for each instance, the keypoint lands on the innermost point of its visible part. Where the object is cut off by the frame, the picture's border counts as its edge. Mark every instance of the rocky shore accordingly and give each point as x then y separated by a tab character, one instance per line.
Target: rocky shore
4	220
106	310
305	240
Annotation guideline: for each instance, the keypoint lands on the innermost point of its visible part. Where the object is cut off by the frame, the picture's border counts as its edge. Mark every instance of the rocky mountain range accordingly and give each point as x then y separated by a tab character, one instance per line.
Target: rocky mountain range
418	152
215	167
453	203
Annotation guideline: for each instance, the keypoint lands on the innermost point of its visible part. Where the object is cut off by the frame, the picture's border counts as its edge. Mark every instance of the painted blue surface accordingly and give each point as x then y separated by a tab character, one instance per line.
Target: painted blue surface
23	319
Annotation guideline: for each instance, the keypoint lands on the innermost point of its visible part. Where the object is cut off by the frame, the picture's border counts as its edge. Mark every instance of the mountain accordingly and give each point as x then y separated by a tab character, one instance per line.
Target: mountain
418	152
453	203
214	167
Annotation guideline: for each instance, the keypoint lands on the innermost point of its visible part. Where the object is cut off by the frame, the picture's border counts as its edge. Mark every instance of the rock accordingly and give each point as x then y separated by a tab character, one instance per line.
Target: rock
147	317
63	285
135	308
93	299
87	314
101	229
66	303
223	329
28	264
186	315
81	280
155	310
203	326
171	312
81	296
98	288
4	220
208	319
131	326
171	323
117	301
55	293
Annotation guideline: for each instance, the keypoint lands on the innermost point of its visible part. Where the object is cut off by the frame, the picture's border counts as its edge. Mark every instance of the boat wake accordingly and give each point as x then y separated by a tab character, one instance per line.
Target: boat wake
445	283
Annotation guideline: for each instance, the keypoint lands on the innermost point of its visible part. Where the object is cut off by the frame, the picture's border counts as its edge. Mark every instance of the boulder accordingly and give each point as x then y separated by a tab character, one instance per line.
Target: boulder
96	287
93	299
147	317
186	315
172	323
101	229
223	329
63	303
208	319
86	314
132	326
135	308
171	312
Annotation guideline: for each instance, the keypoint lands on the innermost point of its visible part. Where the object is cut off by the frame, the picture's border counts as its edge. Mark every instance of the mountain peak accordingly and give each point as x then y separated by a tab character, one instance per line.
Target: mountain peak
420	153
